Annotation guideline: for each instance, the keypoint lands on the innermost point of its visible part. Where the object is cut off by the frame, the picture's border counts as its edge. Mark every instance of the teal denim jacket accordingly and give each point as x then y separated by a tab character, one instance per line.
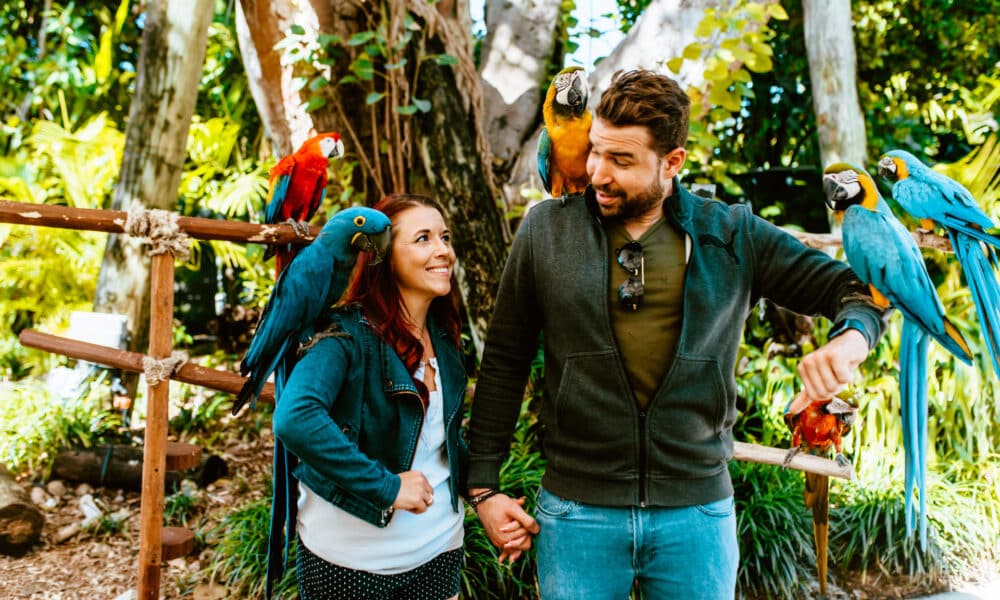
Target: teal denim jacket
352	415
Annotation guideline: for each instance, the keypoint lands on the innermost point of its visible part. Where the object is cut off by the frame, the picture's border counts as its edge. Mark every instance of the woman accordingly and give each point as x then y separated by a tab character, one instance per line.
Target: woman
372	410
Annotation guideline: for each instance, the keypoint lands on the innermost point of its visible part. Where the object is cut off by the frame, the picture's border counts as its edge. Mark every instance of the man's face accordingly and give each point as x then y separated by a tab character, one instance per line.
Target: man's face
630	179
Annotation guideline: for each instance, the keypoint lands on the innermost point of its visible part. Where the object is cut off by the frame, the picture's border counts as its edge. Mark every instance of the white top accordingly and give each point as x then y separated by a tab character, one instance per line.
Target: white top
409	540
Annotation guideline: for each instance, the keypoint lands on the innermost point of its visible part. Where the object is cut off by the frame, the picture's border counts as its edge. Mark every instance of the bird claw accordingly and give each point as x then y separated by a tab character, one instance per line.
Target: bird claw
301	227
842	460
789	456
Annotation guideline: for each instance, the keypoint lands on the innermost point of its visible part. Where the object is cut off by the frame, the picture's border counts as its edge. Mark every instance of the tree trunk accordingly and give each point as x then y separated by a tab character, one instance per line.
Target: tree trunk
520	41
443	153
20	521
169	71
120	466
260	24
840	123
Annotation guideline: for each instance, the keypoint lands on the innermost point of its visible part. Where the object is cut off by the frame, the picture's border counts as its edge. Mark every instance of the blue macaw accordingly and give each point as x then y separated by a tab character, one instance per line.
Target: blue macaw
936	198
564	143
305	289
883	254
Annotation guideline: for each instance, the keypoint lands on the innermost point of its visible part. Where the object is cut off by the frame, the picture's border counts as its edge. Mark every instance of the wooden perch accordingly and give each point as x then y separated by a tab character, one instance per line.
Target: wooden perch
223	381
822	241
801	462
113	221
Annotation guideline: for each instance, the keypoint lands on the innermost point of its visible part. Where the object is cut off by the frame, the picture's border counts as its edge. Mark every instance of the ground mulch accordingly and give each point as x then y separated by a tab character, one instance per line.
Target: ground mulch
94	564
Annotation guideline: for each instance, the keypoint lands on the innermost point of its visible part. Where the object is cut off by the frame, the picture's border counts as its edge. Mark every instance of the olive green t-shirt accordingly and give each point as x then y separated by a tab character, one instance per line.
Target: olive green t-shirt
647	337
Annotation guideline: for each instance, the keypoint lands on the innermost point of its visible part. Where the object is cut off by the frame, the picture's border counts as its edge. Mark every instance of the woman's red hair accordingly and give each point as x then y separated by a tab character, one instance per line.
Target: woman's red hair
374	287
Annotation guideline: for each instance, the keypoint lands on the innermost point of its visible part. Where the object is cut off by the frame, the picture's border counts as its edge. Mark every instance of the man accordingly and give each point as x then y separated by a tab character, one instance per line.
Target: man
640	290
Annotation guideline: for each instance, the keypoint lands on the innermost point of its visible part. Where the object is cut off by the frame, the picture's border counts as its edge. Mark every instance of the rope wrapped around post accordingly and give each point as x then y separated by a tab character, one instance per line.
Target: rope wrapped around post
159	370
160	229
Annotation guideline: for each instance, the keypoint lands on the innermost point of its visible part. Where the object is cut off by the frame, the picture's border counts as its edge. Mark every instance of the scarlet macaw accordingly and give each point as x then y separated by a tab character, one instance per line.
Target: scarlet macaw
565	139
297	188
818	428
936	198
883	254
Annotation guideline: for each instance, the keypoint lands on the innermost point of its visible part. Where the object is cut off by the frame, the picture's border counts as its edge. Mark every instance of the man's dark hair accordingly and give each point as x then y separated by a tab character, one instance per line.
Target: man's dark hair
654	101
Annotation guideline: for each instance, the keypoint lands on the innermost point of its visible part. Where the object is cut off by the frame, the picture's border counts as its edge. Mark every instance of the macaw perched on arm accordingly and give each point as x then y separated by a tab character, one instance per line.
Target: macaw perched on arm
883	254
818	428
565	140
297	188
936	198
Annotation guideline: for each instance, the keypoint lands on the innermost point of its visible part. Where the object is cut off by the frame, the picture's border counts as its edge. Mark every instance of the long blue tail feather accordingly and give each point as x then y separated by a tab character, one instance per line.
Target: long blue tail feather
976	261
914	344
284	493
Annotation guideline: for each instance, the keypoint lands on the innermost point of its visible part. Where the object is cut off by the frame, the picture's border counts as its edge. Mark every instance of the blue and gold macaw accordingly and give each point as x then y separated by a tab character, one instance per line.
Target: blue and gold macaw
936	198
883	254
312	282
565	139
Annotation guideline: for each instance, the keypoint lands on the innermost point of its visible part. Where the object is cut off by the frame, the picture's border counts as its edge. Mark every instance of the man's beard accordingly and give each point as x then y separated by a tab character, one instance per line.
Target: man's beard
630	207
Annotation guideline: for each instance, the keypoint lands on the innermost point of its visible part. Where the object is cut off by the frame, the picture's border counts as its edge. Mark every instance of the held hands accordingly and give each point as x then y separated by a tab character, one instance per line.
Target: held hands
827	370
415	492
508	526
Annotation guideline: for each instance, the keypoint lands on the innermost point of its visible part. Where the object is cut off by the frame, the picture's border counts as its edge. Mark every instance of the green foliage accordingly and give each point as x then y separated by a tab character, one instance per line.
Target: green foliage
240	539
85	67
378	67
520	476
34	425
737	44
240	559
775	533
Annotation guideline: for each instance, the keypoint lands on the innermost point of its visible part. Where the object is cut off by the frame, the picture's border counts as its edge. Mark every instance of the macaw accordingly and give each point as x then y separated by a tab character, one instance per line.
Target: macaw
936	198
565	139
297	188
309	285
816	429
883	254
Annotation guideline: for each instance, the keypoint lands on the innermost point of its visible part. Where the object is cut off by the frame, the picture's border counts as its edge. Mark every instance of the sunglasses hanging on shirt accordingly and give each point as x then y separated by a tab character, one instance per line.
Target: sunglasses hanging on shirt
631	290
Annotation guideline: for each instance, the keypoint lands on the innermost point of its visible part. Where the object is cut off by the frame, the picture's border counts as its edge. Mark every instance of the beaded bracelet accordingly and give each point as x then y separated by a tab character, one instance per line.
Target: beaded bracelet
475	501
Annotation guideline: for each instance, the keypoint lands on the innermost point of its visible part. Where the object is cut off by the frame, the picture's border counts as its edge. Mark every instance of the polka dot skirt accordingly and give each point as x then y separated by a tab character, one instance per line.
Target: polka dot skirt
318	579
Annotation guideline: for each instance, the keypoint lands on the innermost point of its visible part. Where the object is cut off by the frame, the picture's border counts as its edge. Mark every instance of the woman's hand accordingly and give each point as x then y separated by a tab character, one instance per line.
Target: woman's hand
415	492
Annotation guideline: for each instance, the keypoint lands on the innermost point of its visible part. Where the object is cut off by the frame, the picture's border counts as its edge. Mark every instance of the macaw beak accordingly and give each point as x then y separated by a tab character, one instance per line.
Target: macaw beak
377	243
887	167
577	95
338	150
835	193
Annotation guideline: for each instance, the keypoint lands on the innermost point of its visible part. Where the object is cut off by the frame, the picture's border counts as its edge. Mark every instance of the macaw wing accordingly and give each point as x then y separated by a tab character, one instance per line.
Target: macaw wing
298	298
279	177
884	255
319	193
958	202
544	156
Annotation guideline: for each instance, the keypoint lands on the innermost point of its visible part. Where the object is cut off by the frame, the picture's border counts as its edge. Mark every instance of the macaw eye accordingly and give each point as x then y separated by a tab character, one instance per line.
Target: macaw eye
359	220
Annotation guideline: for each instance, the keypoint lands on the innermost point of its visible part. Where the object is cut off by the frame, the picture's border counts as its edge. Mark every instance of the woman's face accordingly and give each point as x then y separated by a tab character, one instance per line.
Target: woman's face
422	256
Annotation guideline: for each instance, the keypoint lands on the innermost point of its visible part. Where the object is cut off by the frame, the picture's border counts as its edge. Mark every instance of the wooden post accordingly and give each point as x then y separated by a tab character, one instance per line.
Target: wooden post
154	459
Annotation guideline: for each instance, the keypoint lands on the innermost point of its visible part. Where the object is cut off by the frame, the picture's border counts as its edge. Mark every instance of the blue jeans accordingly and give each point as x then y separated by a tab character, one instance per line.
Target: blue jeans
587	552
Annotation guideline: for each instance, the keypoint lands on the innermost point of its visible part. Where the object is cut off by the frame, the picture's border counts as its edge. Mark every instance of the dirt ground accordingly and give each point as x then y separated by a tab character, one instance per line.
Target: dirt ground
91	565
